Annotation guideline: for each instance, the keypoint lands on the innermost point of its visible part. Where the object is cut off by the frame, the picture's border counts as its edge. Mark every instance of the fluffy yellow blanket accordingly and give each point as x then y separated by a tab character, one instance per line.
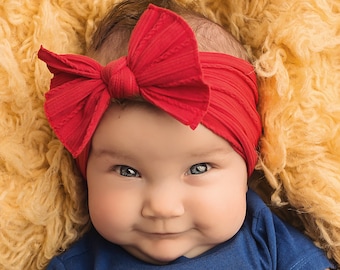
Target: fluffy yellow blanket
296	49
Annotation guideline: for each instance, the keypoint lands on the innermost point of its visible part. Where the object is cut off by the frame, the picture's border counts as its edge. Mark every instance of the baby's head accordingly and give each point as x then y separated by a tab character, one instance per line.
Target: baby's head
166	136
110	41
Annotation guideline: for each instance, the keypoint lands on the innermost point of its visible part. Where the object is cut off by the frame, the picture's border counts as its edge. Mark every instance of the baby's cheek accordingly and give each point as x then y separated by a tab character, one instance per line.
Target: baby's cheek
110	211
222	218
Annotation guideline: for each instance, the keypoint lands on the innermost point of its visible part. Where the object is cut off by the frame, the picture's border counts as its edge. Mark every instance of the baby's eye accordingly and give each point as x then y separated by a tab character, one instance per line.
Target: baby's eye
199	168
126	171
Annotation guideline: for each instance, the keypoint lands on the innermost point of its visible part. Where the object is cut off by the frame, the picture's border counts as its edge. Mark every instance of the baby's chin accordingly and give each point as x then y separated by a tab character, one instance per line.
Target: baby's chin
156	259
165	257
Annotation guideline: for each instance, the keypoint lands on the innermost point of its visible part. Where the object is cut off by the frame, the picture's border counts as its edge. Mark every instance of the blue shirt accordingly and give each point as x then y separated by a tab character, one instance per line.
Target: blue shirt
263	242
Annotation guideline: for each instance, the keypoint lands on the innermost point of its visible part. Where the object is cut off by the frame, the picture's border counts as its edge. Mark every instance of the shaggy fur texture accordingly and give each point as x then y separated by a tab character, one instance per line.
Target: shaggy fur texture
296	50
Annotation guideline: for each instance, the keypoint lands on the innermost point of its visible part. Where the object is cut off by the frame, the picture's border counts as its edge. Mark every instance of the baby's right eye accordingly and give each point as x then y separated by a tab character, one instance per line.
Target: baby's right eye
126	171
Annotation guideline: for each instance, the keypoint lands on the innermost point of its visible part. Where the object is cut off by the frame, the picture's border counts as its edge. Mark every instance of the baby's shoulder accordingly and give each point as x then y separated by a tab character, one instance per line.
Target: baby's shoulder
288	247
75	257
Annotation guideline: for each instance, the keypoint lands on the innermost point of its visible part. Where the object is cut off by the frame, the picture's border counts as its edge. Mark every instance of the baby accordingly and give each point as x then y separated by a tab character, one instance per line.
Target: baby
162	121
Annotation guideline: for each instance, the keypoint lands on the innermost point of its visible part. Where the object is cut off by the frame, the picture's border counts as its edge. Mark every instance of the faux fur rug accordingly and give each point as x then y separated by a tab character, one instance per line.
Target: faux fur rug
296	50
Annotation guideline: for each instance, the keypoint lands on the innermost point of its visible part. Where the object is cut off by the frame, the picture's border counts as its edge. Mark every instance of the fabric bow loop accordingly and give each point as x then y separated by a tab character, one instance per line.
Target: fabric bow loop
120	79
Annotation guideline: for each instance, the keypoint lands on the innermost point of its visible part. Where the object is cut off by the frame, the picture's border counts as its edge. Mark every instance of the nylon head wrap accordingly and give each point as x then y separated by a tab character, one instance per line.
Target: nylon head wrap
164	66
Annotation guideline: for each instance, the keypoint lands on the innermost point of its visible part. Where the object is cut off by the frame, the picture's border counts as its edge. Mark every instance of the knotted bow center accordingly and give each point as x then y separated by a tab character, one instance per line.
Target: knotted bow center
120	80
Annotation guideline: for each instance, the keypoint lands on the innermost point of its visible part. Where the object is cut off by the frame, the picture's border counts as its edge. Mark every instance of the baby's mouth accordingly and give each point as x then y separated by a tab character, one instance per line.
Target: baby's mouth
163	235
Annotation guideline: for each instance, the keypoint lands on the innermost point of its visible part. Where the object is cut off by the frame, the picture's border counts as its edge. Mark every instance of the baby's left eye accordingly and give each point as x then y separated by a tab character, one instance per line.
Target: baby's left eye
199	168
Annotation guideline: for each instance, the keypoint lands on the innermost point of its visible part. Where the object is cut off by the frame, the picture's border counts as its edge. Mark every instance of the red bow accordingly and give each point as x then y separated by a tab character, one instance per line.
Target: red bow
168	75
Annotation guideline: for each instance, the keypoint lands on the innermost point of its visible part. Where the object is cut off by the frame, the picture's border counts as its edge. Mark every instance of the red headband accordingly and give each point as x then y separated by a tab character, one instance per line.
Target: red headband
164	66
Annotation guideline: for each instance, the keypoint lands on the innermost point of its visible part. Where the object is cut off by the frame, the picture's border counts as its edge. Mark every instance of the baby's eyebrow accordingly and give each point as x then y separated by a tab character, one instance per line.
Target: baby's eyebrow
102	153
211	152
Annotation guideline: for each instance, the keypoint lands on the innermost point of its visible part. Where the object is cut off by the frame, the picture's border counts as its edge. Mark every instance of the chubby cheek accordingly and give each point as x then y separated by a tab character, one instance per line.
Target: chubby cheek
112	212
220	214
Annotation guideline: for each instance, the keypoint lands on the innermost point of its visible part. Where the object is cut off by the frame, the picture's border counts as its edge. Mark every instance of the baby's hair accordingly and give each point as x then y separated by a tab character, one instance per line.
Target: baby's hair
110	40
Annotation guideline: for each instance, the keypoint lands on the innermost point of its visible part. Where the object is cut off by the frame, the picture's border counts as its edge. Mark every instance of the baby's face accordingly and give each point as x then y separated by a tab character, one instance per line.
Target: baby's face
161	190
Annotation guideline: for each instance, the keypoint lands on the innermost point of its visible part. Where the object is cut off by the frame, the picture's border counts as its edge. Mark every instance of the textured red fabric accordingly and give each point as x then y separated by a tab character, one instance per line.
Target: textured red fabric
163	66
